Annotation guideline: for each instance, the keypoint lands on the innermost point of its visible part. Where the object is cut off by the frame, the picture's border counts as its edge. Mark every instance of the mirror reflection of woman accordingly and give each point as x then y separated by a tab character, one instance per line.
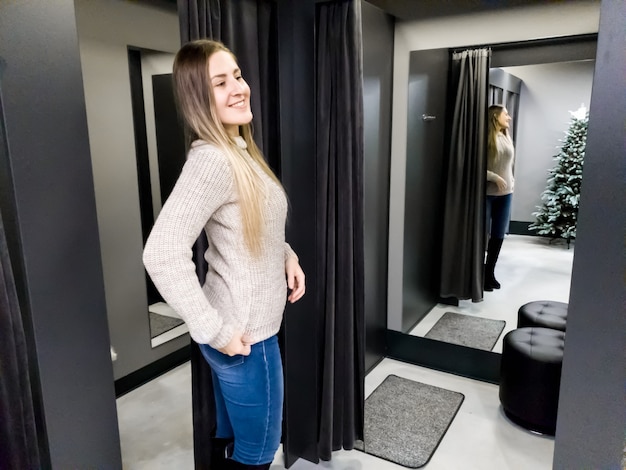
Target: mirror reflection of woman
500	182
227	190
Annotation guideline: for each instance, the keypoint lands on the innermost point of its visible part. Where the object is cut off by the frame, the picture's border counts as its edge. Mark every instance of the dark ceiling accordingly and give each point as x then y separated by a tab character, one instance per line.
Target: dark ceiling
422	9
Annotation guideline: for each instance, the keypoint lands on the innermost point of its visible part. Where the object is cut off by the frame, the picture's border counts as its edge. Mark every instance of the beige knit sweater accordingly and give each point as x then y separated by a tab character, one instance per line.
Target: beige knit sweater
502	167
241	292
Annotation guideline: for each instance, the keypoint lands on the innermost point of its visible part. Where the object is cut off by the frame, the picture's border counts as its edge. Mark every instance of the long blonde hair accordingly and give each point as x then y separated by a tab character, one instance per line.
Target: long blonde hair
196	104
493	113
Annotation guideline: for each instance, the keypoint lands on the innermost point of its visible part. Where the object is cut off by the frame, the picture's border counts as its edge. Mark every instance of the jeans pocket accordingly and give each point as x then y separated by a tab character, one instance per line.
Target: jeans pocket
218	360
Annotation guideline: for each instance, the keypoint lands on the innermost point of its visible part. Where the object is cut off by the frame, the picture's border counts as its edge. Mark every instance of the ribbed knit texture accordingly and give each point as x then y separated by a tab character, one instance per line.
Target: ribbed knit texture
241	292
502	167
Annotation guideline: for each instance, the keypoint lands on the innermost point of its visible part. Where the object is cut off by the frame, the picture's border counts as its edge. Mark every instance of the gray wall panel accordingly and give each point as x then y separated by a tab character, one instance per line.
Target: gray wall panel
592	410
55	233
105	30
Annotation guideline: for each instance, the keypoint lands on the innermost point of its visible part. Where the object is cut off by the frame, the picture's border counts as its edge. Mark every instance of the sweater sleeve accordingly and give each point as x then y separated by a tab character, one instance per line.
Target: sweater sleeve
205	183
289	253
492	176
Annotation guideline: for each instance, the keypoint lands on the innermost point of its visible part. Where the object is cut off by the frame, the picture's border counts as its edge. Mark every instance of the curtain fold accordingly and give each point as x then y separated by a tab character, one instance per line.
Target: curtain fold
464	212
339	174
18	430
248	28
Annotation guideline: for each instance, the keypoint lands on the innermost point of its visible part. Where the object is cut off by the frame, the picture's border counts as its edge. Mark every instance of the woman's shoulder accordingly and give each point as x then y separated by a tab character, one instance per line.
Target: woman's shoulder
202	146
207	152
505	139
208	161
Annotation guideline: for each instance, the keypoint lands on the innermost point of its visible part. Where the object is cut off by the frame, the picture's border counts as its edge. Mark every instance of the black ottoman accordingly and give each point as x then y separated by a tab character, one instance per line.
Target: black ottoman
530	377
545	313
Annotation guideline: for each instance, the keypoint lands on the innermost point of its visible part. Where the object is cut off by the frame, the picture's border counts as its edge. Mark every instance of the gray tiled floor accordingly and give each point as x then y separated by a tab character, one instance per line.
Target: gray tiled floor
155	419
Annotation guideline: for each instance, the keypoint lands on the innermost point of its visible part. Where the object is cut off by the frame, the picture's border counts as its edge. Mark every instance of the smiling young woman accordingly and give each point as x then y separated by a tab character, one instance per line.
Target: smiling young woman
227	189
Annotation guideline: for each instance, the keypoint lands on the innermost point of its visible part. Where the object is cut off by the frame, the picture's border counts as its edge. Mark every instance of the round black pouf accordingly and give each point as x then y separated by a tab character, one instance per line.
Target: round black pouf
545	313
530	377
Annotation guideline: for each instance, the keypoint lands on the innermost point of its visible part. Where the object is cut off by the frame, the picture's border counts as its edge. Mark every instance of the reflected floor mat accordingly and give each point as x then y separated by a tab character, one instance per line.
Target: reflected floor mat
159	324
405	420
466	330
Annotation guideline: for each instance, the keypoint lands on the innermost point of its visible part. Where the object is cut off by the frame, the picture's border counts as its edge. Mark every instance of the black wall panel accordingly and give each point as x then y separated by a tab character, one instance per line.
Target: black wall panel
297	113
377	100
424	189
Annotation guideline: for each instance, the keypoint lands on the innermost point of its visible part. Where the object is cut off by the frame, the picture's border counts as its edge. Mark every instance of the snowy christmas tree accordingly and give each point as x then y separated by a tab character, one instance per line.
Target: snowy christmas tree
557	216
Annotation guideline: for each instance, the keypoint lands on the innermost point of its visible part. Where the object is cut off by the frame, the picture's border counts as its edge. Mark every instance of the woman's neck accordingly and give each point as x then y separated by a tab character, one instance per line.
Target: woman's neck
232	131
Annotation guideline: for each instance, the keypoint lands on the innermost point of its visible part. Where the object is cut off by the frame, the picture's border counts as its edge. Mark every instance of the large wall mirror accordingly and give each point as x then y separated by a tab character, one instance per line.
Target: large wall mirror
540	90
541	69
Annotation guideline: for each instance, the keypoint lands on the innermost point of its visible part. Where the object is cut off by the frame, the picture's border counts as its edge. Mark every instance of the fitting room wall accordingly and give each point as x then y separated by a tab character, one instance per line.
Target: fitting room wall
105	30
49	211
549	92
519	24
592	405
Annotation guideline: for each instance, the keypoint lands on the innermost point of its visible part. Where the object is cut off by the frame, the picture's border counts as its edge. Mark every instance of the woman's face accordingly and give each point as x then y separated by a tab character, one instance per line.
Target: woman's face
503	119
231	92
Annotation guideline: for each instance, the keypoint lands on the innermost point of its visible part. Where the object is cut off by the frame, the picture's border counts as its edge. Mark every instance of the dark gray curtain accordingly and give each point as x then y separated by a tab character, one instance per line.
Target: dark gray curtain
339	155
18	435
248	28
464	213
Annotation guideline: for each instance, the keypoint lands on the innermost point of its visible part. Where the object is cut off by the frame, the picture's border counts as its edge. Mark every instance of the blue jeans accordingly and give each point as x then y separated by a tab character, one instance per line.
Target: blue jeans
498	213
249	400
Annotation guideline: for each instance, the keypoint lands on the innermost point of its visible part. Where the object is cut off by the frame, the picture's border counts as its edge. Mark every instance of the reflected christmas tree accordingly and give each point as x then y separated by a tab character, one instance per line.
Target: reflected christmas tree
557	217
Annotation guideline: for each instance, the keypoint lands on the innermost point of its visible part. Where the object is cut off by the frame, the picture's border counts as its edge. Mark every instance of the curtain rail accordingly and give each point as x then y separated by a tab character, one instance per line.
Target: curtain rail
551	41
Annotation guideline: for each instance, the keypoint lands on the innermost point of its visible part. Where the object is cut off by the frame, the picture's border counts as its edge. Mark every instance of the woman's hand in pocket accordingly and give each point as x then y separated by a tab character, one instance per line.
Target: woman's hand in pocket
238	344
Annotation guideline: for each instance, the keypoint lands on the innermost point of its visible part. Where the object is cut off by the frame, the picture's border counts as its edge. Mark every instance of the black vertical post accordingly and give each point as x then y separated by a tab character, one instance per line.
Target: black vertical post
296	41
48	205
377	111
592	411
